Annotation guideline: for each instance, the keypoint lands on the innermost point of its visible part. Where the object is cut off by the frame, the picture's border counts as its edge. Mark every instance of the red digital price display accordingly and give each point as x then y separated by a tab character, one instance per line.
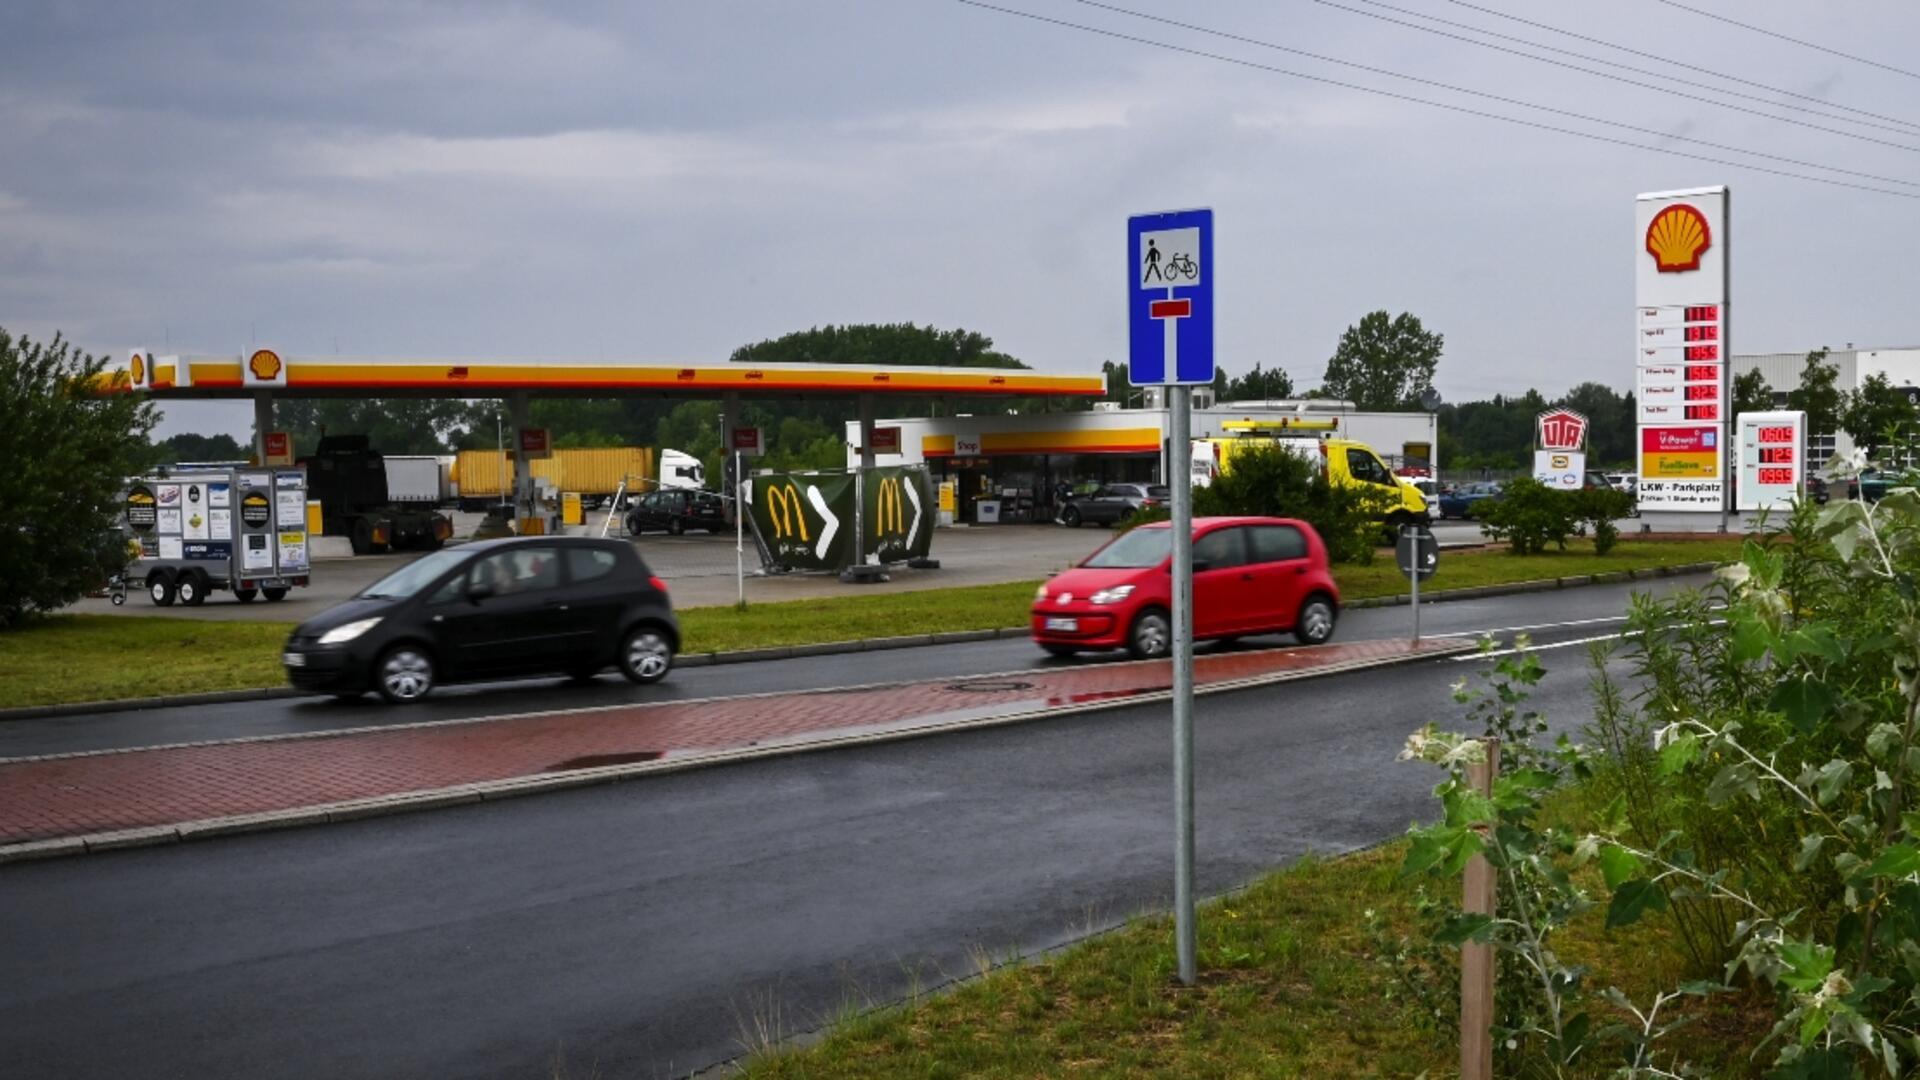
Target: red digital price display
1703	352
1702	333
1703	412
1776	476
1776	455
1776	435
1703	373
1709	313
1703	392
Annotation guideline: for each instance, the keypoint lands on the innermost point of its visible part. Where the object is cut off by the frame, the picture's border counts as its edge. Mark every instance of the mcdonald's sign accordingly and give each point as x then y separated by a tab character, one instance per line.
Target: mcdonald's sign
786	511
890	515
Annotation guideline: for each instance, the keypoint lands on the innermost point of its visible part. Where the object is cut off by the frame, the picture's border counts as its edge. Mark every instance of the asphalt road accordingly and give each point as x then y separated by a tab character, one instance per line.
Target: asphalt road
149	727
648	928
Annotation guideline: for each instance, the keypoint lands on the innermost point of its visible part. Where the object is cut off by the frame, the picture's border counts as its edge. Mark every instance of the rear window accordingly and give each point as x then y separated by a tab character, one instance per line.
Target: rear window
1278	543
1158	491
589	563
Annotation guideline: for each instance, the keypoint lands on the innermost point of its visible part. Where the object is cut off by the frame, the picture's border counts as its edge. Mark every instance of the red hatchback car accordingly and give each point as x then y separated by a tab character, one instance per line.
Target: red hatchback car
1250	576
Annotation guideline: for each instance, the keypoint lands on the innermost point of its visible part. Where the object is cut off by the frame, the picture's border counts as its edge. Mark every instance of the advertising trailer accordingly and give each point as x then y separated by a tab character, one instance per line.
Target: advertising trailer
201	531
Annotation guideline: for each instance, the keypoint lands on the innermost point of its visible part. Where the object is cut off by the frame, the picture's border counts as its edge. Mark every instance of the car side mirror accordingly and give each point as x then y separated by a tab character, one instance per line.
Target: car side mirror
1200	564
478	591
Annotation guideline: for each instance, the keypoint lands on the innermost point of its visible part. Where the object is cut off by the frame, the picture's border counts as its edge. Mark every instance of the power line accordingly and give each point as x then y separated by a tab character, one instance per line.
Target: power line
1616	78
1255	65
1905	124
1795	40
1491	96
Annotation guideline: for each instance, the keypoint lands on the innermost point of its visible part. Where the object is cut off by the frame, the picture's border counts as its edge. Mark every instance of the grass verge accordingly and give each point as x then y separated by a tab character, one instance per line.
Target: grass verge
72	658
1295	981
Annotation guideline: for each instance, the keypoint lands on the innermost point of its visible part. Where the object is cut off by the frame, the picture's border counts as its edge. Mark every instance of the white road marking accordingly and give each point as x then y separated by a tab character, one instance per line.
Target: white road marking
1535	626
1559	644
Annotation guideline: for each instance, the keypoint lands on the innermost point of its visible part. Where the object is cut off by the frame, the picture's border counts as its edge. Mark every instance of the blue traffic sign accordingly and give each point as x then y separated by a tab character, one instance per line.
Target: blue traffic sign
1170	298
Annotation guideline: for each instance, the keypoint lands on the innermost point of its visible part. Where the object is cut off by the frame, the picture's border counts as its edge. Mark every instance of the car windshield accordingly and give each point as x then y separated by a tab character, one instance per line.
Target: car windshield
1133	550
414	576
1156	491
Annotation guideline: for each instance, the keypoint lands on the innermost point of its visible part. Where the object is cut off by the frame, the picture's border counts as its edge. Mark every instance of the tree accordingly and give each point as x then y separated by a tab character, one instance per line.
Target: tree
1877	413
1751	393
1383	363
1817	395
1612	429
393	425
1260	385
187	446
68	448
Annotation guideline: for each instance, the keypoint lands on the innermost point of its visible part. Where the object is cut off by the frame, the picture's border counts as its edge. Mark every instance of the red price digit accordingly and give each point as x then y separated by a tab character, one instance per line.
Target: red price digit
1776	476
1703	373
1703	352
1703	412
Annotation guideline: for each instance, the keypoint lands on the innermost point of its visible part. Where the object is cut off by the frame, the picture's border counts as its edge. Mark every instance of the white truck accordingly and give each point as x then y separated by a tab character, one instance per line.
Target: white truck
204	530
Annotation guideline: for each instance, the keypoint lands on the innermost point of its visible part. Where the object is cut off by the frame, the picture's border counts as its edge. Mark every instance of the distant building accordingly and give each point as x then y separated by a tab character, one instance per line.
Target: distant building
1782	372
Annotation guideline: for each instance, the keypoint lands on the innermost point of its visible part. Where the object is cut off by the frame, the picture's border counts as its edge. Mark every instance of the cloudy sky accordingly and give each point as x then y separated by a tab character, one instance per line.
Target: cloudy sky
669	181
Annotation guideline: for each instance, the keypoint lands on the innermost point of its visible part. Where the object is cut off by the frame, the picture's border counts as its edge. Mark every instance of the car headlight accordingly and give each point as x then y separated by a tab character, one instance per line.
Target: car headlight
1113	595
340	635
1039	594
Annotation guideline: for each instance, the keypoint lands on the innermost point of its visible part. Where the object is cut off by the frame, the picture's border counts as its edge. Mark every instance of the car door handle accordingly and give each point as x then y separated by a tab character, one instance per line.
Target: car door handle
1299	570
561	604
1246	577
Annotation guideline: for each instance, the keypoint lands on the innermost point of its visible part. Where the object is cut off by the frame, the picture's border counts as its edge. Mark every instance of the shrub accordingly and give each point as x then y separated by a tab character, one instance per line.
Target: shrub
1267	481
1597	509
67	449
1529	515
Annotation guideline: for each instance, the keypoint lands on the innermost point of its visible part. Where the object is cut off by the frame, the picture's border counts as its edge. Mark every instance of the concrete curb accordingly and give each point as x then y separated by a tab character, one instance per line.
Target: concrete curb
834	648
493	790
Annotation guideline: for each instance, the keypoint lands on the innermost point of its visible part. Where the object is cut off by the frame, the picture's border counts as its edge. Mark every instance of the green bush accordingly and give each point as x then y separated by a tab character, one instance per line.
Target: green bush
1597	509
1267	481
1529	515
1146	515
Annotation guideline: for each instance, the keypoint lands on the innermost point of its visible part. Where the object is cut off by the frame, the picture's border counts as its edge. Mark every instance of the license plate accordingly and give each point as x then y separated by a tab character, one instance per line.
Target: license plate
1069	625
294	659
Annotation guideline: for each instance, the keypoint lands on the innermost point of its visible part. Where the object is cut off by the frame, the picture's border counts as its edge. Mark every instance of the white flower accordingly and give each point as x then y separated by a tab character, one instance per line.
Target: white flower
1845	466
1735	574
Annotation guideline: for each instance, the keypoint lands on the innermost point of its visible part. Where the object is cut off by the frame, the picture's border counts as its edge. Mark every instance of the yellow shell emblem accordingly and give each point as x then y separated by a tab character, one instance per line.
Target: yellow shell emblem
138	369
1677	237
265	365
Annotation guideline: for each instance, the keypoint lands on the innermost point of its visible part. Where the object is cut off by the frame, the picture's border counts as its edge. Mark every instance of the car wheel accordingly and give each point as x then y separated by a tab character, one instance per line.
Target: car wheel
1061	650
192	588
1314	624
274	594
1151	636
404	674
1070	517
675	528
646	655
160	587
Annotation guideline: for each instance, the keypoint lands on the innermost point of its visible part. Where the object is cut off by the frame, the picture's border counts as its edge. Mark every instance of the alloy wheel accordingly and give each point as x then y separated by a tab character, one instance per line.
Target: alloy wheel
405	675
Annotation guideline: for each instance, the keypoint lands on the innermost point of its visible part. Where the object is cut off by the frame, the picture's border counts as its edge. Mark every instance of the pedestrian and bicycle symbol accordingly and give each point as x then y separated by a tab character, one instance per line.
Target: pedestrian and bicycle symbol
1170	298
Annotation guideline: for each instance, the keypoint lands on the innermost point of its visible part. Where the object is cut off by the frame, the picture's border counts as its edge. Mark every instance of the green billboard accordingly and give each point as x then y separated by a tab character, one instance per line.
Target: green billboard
898	513
804	520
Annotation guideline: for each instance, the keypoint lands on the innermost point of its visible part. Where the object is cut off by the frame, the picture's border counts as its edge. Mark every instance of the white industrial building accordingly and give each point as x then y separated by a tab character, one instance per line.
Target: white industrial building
1782	372
1024	459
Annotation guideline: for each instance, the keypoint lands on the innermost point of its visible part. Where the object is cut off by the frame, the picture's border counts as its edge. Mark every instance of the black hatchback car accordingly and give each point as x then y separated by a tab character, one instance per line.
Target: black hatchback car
676	510
488	610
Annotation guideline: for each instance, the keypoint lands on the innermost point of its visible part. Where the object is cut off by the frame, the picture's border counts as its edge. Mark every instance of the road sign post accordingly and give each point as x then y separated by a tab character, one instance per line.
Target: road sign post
1417	553
1170	331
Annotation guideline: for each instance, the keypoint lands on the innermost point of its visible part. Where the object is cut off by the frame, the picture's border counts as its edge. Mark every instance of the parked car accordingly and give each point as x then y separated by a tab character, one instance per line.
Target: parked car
1460	502
1624	481
1113	502
1250	576
1874	484
676	510
485	610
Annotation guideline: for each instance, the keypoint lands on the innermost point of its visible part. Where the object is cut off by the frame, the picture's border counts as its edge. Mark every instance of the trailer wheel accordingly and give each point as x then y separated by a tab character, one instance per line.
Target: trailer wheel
160	587
192	588
245	596
279	593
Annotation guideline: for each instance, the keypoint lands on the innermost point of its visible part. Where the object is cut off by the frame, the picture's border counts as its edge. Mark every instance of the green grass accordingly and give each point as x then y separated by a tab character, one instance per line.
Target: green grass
70	658
1292	983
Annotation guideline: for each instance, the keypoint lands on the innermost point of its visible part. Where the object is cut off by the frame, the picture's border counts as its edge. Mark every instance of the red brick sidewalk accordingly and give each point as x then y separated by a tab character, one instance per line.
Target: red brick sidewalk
168	786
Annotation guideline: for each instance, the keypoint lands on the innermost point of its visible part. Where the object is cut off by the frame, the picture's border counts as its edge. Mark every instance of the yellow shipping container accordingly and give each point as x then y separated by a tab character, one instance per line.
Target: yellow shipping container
589	471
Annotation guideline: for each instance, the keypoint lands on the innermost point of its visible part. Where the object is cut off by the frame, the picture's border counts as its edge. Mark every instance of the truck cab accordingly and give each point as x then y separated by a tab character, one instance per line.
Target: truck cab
1346	462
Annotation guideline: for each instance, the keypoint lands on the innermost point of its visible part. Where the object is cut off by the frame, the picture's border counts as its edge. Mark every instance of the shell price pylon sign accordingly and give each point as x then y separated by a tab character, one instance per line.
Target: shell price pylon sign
1682	354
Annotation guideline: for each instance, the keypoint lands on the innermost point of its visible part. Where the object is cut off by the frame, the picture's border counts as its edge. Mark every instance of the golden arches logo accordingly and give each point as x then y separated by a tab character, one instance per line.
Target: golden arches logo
787	511
1677	237
890	512
265	365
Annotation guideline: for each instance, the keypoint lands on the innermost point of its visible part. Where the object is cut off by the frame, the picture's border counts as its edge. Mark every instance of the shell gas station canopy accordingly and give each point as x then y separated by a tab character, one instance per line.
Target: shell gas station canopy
265	372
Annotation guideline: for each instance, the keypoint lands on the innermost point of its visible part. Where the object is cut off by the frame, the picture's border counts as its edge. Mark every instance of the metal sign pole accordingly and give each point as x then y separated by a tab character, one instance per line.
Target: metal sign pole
739	531
1413	543
1181	475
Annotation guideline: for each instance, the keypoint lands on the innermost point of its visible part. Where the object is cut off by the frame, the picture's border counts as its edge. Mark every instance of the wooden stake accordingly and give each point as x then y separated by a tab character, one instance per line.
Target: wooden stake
1476	960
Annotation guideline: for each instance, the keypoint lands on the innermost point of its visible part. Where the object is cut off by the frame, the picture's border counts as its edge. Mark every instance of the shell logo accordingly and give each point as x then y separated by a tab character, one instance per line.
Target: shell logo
138	369
265	365
1677	237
